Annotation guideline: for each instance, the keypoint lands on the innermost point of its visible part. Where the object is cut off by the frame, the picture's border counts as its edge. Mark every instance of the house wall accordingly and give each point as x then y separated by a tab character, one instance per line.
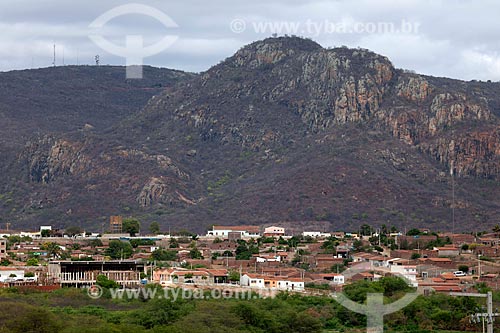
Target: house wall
5	274
247	281
3	248
290	285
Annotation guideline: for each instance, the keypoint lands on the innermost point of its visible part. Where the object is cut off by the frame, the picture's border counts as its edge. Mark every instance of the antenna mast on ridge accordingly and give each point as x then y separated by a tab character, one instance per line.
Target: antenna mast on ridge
54	61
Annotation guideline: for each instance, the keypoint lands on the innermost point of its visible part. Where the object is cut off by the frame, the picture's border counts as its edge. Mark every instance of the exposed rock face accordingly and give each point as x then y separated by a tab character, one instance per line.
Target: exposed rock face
471	154
448	109
50	158
158	190
163	161
413	88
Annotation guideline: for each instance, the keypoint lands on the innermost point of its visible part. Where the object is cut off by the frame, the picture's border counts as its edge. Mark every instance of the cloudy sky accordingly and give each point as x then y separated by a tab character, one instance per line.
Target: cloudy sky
456	39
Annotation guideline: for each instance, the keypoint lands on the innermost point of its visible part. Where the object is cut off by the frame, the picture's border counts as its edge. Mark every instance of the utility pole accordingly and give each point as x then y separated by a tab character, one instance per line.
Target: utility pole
54	59
488	316
479	266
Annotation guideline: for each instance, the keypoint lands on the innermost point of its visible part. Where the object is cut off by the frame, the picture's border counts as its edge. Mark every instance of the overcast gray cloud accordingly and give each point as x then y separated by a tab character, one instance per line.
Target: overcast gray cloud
456	39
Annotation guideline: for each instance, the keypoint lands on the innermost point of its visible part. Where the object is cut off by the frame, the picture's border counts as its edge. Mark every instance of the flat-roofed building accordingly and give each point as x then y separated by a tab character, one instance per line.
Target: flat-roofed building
115	224
85	273
247	231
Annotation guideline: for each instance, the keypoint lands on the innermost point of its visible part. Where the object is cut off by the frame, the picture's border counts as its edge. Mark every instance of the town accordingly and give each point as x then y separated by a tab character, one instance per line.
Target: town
254	257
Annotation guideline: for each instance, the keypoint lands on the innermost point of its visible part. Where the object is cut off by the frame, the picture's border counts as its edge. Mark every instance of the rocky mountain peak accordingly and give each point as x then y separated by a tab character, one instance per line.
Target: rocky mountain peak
272	50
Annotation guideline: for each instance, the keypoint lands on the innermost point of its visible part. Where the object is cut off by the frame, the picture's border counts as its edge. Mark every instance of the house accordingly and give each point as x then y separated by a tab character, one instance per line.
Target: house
440	262
447	251
338	234
252	280
342	252
488	251
216	275
489	241
419	241
460	239
408	254
272	282
326	261
267	258
331	277
9	274
408	272
281	271
289	284
274	231
375	260
243	231
367	276
167	276
446	289
223	246
316	234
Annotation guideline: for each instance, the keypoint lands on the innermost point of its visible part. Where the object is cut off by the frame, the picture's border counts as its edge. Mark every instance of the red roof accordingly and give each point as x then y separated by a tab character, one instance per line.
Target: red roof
453	288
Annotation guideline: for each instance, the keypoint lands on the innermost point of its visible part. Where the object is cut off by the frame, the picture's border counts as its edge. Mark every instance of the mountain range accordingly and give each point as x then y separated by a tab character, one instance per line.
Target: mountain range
284	131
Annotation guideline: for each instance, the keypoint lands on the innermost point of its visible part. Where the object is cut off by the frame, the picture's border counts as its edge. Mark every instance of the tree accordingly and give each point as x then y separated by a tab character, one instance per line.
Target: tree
5	262
174	243
330	245
195	253
45	233
131	226
366	230
358	245
95	243
154	227
29	274
293	241
463	268
103	281
119	250
234	276
164	255
413	232
72	231
415	256
53	249
32	262
244	252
